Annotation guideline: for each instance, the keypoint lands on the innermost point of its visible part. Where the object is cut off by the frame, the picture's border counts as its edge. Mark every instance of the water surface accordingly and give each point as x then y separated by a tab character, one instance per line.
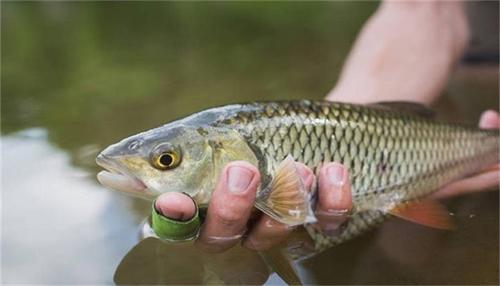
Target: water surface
79	76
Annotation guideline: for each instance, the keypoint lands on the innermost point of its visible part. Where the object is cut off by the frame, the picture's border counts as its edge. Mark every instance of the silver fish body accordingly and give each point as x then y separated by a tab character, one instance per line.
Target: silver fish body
393	156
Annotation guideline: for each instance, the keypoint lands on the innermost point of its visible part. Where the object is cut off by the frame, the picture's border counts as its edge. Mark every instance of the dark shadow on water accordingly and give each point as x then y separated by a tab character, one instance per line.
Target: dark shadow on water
155	262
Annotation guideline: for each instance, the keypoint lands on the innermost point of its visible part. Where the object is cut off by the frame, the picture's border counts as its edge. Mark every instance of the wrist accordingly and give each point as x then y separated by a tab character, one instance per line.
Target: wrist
406	51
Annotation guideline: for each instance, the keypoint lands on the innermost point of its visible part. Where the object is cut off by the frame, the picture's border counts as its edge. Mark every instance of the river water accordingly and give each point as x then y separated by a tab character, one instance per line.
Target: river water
79	76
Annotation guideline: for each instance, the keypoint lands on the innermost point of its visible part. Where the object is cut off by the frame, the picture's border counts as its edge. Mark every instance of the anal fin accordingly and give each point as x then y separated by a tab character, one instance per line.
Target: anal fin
286	200
425	212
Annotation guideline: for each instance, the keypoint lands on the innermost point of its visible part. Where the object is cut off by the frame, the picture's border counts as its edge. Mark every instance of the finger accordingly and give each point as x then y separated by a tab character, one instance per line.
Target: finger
306	175
268	232
230	207
334	196
485	181
490	119
176	206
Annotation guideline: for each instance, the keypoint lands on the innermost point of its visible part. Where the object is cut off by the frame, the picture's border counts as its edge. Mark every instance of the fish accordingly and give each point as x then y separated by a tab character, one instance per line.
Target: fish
396	153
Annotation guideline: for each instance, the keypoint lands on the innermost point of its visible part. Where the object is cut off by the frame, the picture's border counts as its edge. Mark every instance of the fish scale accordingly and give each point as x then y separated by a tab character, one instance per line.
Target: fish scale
392	156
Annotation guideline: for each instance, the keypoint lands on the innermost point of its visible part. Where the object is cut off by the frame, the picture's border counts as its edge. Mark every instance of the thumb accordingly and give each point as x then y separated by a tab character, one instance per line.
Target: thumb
175	206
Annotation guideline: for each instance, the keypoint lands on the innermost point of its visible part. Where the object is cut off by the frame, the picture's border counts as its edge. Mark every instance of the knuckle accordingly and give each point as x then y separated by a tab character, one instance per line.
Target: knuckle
329	205
227	216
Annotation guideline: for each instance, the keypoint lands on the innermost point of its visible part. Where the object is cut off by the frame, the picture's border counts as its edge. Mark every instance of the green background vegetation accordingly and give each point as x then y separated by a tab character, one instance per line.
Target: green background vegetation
95	72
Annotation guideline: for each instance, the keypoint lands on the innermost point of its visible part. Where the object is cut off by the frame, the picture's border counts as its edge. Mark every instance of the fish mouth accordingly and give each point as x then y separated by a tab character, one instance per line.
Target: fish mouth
114	178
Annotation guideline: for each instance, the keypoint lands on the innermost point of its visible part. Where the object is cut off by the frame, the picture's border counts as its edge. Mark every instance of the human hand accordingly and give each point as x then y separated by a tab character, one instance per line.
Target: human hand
230	209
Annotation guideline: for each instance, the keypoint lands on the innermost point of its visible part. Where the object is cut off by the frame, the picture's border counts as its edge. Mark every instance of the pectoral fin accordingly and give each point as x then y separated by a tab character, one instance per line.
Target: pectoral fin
426	212
286	200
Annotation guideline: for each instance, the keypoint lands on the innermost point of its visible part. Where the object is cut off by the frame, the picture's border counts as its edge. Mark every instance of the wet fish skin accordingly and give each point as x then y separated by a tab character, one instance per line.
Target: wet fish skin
393	156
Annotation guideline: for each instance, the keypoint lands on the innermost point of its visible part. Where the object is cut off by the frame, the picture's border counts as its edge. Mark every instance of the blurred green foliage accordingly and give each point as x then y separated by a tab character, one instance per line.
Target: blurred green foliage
93	72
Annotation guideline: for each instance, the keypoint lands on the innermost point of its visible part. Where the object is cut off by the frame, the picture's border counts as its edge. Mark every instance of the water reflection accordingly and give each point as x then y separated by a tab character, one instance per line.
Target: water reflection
399	252
155	262
58	225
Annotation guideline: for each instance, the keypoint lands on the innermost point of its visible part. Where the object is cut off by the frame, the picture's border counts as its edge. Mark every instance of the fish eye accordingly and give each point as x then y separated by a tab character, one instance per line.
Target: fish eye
165	158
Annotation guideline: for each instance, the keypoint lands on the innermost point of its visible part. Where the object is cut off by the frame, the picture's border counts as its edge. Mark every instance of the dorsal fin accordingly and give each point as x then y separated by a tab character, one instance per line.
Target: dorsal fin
407	107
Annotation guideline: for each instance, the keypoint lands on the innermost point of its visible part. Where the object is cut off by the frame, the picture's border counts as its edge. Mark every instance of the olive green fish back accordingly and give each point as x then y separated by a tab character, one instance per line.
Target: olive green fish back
383	149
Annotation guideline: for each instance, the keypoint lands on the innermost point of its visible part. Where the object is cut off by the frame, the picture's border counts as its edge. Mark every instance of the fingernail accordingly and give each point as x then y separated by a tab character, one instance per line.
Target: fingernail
238	179
336	174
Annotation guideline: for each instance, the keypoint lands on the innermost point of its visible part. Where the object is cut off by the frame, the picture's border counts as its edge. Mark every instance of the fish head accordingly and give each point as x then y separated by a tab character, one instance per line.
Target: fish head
171	158
165	159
